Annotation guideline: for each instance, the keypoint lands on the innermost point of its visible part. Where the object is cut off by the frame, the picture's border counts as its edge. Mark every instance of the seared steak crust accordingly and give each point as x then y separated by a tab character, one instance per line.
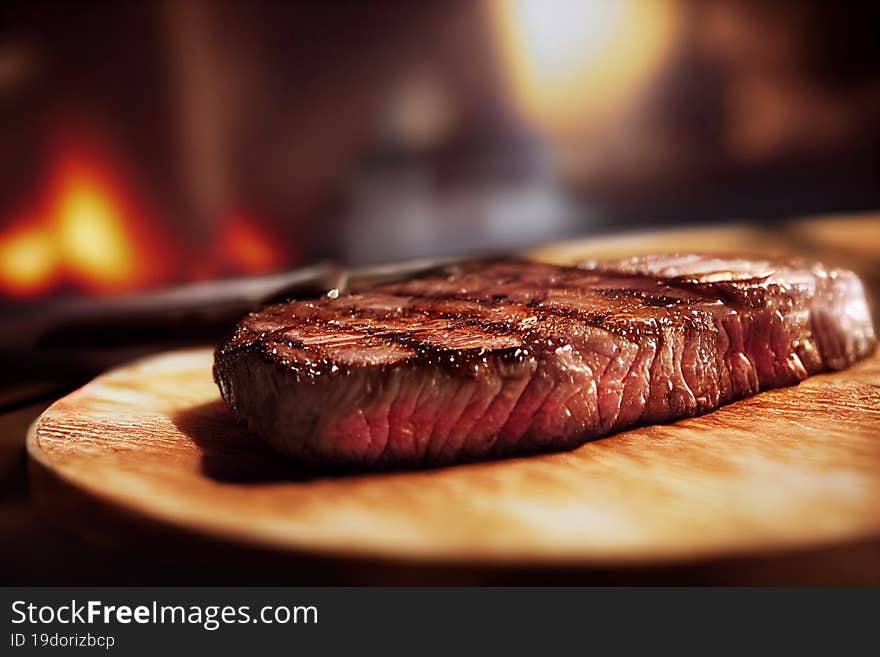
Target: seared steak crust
509	357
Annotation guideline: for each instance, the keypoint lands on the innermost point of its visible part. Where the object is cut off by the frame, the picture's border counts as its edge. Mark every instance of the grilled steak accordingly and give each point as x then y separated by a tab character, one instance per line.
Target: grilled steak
510	357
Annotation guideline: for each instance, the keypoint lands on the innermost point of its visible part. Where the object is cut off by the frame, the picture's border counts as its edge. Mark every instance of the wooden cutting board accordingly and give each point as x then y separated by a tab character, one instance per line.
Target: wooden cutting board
790	468
788	472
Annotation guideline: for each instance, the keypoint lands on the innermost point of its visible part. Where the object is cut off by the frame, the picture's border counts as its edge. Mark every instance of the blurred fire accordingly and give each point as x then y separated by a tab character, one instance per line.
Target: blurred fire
86	233
27	258
245	246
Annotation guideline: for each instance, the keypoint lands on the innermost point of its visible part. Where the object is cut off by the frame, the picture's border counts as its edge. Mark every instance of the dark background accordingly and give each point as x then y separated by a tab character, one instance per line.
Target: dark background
370	131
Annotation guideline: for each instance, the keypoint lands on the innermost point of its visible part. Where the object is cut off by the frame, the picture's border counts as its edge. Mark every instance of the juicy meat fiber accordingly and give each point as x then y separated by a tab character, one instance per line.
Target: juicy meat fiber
509	357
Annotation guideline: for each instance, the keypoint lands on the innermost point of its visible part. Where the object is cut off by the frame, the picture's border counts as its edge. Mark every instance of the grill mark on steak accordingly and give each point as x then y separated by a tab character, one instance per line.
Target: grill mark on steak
531	305
506	357
421	347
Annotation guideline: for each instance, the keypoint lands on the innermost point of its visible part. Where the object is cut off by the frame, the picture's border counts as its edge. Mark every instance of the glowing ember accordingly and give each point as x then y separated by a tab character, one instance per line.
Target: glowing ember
245	246
103	244
28	259
83	233
92	237
87	233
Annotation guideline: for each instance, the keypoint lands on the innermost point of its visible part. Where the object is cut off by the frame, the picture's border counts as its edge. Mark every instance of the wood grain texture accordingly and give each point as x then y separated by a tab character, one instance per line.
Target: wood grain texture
791	468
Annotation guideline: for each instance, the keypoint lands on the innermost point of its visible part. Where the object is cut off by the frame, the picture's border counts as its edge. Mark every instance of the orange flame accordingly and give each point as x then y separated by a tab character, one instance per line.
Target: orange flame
87	233
28	258
245	246
105	243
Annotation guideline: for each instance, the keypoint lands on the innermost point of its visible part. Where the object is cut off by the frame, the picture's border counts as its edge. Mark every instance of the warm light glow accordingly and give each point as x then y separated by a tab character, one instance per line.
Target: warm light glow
244	246
27	260
572	62
92	236
86	232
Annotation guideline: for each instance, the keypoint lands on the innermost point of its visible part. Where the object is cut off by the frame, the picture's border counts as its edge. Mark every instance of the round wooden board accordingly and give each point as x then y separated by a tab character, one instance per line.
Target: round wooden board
797	468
